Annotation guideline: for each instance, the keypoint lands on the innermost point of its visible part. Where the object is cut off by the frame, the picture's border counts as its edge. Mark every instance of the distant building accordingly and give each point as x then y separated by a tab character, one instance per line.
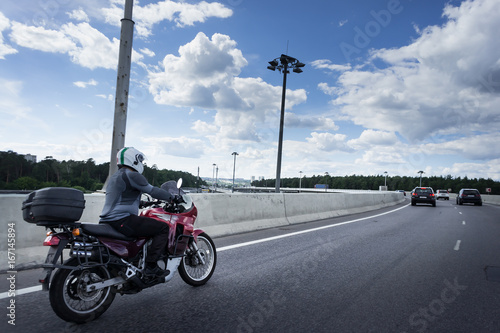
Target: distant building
27	157
30	158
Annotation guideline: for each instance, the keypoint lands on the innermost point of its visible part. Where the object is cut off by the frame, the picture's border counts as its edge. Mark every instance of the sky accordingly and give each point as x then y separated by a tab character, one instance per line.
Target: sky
396	86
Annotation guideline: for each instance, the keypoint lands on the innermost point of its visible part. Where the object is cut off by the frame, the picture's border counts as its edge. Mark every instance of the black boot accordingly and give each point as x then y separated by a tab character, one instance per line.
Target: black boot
153	269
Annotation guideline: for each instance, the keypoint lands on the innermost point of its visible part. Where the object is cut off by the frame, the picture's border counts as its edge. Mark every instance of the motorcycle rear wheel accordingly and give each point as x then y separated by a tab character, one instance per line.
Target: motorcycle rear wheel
191	269
68	297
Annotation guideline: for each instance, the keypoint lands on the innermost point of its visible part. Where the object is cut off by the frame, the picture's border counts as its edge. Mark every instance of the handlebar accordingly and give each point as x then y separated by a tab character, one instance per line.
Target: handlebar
169	206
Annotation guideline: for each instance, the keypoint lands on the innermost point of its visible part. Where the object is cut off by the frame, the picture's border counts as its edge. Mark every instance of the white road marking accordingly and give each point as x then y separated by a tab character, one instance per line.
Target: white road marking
20	291
234	246
457	246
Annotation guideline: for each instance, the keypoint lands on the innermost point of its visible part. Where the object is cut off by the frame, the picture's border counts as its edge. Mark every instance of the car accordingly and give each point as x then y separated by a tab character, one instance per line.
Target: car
423	195
442	194
469	195
401	191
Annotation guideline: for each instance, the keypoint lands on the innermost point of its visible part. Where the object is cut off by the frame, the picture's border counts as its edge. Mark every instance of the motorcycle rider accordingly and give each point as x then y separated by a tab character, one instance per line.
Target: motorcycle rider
123	195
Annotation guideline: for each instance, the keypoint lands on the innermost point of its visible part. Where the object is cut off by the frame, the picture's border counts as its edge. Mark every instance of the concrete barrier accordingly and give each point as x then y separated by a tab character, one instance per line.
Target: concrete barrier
491	199
218	215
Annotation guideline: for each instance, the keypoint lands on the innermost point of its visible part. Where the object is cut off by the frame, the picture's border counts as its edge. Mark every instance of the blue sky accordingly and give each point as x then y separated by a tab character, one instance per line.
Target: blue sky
396	86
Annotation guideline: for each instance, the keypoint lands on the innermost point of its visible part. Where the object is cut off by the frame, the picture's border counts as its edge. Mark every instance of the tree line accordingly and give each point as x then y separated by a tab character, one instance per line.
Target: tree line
17	173
357	182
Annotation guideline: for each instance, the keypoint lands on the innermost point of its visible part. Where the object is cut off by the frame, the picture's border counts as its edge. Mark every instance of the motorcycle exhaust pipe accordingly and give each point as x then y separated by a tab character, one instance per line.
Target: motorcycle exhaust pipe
80	254
82	246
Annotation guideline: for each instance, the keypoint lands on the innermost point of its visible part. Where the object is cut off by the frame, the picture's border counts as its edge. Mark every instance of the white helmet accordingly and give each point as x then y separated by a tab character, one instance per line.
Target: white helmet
131	157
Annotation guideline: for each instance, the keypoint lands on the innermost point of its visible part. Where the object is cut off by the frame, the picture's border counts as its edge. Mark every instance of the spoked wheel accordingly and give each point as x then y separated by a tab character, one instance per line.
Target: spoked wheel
195	271
69	298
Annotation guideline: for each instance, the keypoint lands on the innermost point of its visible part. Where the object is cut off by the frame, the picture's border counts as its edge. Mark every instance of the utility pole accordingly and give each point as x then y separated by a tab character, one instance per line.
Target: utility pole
122	86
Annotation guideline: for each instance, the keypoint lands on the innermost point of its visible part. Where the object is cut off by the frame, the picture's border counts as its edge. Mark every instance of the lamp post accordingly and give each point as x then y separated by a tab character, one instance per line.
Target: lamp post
213	175
326	181
216	177
285	62
300	181
234	166
385	181
420	172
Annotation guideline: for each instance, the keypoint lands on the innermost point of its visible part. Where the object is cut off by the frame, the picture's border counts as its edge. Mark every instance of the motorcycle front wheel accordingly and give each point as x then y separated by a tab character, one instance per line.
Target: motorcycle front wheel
192	270
69	298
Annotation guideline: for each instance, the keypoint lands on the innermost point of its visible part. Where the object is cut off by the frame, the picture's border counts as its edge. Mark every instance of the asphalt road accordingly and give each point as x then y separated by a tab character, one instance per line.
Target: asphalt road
400	269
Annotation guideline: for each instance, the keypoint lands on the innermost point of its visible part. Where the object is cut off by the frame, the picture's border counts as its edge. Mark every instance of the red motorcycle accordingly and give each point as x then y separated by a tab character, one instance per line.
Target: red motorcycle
101	262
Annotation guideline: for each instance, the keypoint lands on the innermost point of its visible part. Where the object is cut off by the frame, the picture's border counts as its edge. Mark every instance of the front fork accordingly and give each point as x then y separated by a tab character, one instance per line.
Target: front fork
196	251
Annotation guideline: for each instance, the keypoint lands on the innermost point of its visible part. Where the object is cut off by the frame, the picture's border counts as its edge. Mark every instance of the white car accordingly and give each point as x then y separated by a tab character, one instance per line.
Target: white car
442	194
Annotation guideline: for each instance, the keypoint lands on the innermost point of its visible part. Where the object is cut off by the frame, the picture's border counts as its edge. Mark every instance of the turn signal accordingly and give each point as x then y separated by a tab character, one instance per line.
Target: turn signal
76	232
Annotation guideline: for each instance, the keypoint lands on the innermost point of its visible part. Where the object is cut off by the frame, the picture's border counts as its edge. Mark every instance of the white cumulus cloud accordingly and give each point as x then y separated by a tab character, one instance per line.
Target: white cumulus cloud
447	81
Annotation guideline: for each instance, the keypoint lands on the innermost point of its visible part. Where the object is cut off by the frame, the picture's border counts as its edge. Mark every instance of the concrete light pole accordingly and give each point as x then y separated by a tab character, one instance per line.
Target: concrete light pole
234	166
122	85
300	181
420	172
213	175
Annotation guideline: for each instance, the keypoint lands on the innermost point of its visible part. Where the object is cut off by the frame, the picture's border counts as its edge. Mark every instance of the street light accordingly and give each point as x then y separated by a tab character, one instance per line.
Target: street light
420	172
284	63
213	175
216	177
385	182
300	181
326	181
234	166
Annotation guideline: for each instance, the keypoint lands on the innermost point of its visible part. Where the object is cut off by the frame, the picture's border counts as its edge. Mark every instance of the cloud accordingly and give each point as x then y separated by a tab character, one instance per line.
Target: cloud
308	121
485	170
327	64
178	146
82	84
147	52
41	39
371	138
329	142
182	13
4	48
205	75
86	46
477	147
198	74
79	15
445	81
381	156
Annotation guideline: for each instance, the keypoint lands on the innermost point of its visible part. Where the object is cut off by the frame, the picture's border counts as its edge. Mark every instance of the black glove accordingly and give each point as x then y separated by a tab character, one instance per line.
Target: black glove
177	199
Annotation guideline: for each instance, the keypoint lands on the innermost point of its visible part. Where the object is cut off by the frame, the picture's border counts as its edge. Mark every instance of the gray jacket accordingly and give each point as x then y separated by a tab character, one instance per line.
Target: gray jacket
123	194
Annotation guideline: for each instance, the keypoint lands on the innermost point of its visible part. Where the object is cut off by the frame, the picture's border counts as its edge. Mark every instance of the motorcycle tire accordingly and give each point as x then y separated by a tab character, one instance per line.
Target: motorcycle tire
191	269
71	302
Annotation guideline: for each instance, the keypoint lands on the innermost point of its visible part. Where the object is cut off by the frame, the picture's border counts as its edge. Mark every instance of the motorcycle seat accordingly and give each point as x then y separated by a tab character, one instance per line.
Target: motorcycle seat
104	230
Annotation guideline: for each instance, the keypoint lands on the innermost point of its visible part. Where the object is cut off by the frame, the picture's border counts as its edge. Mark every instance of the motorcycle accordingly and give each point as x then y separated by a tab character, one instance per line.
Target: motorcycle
103	262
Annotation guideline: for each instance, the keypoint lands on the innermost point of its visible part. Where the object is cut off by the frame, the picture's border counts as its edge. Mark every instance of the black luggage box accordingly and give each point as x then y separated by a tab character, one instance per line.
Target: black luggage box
54	204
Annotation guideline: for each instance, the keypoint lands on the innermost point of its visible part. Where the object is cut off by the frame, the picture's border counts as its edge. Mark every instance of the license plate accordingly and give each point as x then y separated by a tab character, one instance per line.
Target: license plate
422	197
51	254
471	195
